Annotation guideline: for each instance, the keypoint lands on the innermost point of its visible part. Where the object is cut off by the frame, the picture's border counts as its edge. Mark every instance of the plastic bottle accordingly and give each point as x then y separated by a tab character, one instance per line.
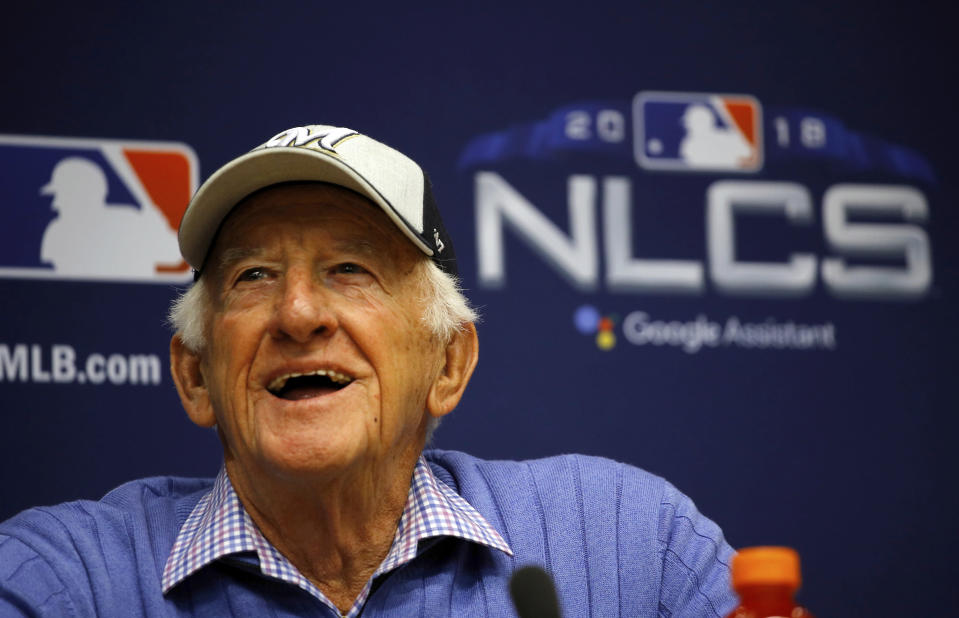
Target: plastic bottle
766	580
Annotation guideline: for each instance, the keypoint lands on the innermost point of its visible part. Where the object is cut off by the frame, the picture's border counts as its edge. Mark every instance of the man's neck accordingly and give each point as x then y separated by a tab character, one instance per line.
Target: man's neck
335	532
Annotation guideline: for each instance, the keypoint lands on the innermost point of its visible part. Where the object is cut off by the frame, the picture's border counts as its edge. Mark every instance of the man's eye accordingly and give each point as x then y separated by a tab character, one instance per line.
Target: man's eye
252	274
349	268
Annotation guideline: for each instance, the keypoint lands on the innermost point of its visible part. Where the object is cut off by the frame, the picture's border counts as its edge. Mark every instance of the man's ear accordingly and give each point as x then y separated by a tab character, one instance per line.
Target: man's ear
462	353
190	384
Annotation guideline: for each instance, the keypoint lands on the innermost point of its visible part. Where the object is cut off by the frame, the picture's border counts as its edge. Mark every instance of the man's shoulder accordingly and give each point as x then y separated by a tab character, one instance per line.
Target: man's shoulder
568	484
64	557
157	489
154	506
585	470
579	514
570	487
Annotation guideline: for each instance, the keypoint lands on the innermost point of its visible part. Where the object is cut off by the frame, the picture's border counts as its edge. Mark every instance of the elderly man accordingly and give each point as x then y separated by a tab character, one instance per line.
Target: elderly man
324	338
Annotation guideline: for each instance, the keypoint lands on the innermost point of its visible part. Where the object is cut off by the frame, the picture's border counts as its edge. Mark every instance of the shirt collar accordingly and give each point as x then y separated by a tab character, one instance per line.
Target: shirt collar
433	509
219	526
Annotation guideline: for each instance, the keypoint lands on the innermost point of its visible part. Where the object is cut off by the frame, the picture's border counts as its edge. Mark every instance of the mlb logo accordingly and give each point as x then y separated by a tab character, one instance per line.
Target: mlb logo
92	209
697	132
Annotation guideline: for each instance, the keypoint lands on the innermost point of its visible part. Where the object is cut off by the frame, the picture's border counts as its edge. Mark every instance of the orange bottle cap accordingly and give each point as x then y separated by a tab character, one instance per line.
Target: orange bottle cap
766	566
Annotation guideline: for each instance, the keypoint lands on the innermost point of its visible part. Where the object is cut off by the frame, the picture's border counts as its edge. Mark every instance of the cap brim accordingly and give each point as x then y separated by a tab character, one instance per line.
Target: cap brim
260	169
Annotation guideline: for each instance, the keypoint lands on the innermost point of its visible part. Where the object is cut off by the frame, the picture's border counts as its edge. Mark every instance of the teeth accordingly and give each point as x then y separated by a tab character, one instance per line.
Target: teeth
278	384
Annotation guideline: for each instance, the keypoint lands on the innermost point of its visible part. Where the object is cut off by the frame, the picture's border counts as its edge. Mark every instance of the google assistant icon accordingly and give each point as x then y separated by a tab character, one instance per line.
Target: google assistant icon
589	321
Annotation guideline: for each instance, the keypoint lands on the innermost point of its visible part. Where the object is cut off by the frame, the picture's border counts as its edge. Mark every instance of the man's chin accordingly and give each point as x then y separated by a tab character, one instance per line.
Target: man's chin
313	454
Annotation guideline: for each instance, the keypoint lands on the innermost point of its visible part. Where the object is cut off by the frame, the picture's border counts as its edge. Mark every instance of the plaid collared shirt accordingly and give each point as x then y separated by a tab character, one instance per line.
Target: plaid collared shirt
219	526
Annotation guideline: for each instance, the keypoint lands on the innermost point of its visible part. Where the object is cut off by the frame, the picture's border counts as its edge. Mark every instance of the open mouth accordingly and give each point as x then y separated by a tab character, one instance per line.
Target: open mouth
295	386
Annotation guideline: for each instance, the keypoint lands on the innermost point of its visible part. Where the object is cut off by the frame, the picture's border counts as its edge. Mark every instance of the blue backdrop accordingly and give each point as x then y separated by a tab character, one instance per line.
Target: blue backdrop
713	240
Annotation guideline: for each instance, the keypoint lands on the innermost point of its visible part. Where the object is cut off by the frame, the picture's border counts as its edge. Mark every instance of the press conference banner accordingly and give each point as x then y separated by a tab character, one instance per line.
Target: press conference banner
713	241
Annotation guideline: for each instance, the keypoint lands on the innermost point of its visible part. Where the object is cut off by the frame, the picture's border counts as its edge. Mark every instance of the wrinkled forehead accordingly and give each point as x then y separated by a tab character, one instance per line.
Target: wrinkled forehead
349	221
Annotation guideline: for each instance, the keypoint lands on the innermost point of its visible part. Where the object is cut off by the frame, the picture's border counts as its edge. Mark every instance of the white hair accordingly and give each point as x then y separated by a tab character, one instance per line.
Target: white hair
446	311
188	314
445	308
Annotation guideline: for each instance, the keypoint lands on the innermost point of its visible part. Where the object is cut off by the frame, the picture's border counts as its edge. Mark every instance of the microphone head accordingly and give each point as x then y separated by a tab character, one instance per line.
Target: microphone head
533	593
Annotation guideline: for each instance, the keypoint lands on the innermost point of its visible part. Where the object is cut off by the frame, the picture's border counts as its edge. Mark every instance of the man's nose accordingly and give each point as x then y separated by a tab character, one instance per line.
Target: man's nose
303	309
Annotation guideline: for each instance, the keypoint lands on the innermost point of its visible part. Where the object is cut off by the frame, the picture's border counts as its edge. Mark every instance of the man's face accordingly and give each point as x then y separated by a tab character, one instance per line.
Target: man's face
317	359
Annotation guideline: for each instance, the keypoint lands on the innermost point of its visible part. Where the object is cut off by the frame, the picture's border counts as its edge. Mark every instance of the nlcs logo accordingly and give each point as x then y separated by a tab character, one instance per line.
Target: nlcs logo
93	209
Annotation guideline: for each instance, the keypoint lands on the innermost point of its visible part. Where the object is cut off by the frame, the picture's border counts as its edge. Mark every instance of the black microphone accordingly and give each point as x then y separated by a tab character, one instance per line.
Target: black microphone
533	593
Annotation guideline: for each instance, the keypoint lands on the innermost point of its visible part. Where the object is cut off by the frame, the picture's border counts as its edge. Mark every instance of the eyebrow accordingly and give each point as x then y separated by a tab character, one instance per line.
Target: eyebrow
356	246
235	254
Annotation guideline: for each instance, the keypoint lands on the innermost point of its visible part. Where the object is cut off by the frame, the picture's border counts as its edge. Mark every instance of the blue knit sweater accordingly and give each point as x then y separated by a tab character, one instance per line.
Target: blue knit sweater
618	541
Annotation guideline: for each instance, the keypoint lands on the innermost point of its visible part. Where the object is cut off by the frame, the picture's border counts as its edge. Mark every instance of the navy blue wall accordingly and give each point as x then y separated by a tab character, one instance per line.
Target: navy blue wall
842	449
